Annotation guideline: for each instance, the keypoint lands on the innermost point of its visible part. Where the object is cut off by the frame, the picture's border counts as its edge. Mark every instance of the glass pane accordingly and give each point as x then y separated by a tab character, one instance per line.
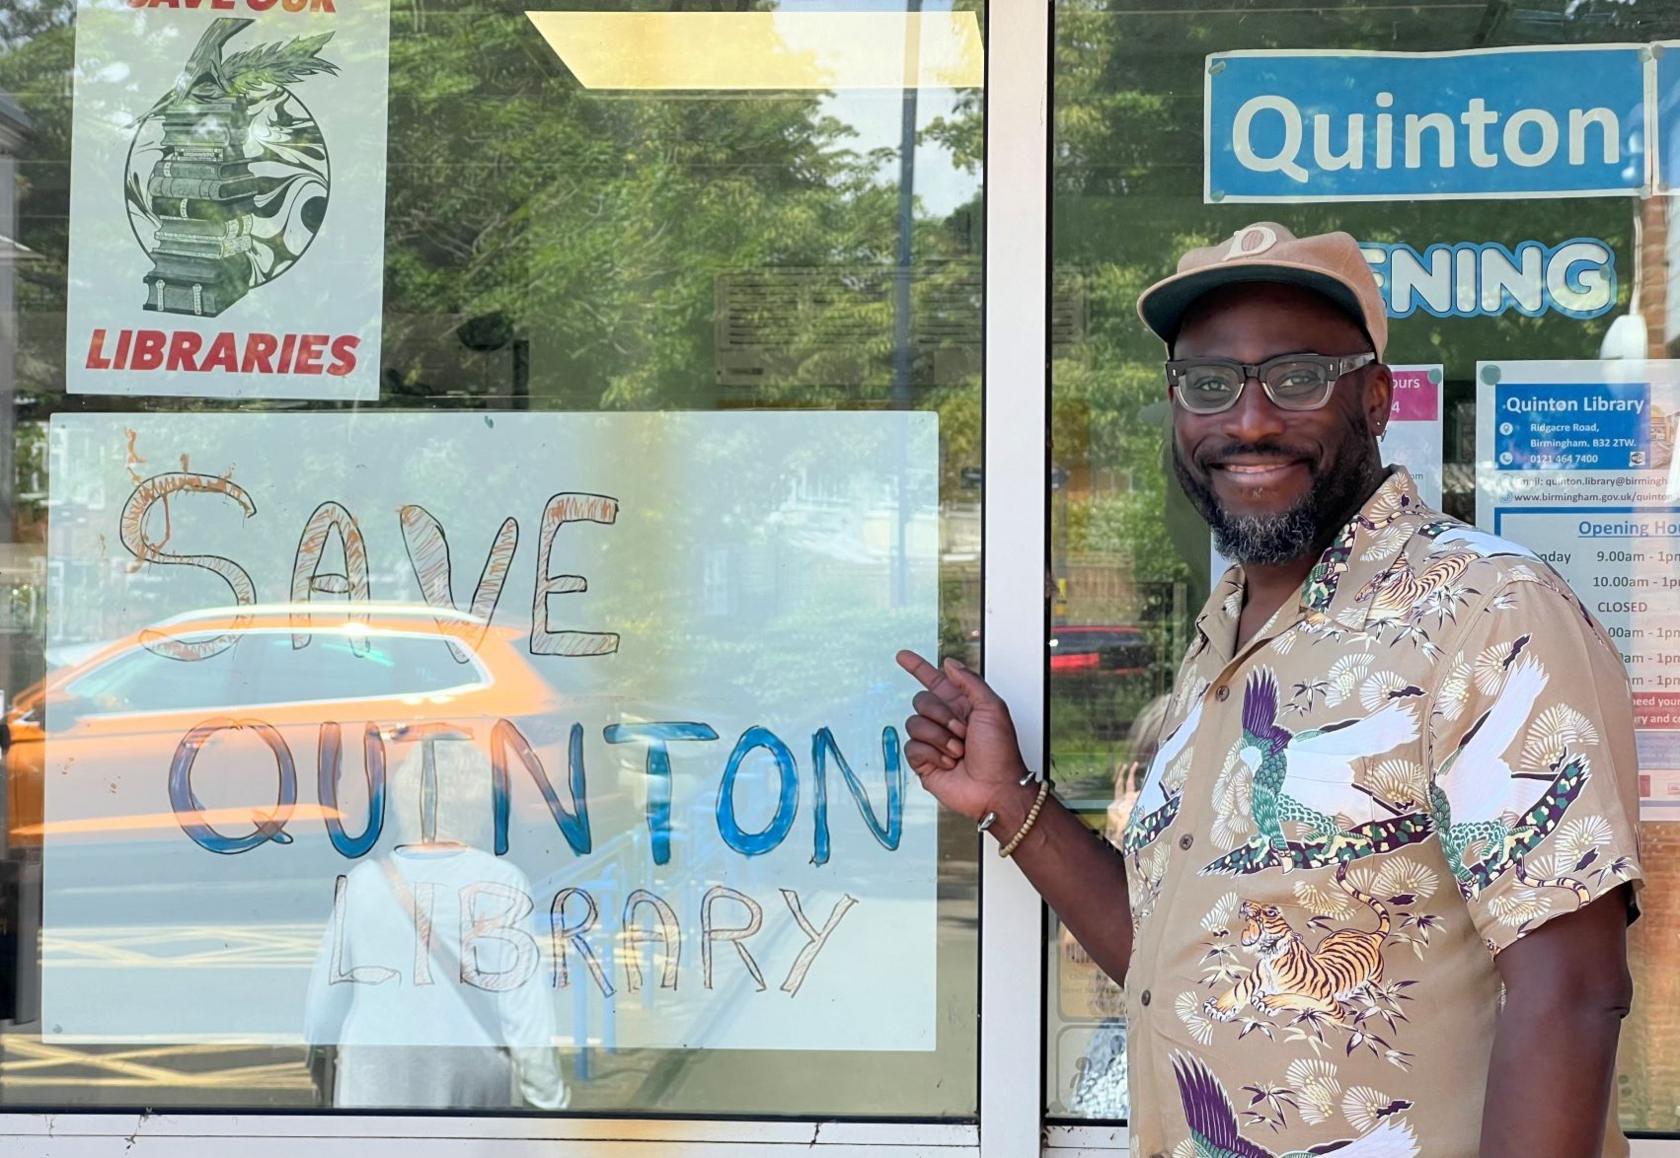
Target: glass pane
470	469
1128	551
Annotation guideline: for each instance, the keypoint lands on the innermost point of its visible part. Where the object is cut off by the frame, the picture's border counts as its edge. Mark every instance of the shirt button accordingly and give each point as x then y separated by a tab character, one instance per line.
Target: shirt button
1222	692
1143	998
1186	841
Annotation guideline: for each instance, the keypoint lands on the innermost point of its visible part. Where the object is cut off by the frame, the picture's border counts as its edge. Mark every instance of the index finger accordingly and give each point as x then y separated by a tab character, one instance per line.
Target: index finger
926	674
935	680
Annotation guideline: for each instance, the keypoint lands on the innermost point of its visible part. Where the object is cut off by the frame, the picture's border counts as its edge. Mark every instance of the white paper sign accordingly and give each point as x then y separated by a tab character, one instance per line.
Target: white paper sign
659	801
227	199
1413	439
1575	461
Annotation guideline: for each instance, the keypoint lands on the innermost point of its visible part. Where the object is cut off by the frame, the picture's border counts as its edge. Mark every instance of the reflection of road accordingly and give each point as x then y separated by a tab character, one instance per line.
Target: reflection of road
677	1080
179	1073
170	946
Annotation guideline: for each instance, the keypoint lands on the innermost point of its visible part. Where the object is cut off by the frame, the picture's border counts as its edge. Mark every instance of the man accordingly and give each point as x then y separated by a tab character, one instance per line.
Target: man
1381	869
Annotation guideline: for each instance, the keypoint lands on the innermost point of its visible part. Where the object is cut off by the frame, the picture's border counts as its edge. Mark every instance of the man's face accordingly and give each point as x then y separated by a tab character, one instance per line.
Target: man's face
1275	484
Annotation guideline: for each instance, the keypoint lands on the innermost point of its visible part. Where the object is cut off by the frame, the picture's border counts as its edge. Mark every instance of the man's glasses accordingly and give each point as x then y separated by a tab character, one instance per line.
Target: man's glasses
1291	381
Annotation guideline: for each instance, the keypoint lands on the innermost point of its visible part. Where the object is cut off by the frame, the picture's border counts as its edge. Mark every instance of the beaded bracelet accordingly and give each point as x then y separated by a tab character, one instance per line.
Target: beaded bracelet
1026	825
990	818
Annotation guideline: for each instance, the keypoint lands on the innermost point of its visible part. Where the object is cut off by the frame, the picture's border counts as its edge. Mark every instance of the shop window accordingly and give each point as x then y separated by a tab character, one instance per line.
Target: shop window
1509	269
605	380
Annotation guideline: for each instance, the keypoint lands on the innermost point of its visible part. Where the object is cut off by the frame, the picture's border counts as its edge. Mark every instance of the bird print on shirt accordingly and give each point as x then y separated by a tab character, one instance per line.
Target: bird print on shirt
1490	815
1450	534
1214	1132
1477	793
1157	805
1308	777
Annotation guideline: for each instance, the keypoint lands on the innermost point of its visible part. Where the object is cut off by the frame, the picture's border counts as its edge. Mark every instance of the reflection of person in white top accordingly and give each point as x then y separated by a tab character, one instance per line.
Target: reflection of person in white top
1099	1082
449	1029
1143	738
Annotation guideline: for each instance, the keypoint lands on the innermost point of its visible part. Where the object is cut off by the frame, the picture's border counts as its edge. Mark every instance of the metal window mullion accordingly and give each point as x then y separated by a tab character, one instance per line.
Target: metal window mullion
1016	399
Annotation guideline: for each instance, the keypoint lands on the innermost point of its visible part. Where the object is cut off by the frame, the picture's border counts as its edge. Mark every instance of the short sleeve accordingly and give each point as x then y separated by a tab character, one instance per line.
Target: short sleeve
1533	788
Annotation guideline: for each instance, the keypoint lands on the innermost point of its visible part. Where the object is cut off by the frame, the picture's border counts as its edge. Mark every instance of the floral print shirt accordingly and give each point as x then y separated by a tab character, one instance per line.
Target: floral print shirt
1425	758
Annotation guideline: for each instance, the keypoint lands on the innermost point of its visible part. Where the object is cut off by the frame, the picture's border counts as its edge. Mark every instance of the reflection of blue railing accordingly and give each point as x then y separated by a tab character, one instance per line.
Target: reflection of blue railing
608	875
718	1010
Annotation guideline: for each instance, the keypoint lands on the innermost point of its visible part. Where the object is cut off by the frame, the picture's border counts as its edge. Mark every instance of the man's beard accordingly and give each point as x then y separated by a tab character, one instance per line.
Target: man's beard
1272	540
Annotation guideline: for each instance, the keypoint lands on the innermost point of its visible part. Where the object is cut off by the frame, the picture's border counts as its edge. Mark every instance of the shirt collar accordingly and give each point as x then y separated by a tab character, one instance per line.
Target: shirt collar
1216	626
1395	508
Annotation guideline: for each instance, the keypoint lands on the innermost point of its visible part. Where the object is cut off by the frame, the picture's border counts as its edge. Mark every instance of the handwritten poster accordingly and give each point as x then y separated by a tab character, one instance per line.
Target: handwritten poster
503	729
1575	461
227	199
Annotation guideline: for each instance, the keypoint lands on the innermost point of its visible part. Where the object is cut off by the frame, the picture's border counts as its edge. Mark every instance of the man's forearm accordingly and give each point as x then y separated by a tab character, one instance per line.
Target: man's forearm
1548	1086
1080	875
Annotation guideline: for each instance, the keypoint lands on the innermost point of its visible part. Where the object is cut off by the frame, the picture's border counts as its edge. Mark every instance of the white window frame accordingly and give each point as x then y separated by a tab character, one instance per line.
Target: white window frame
1011	1086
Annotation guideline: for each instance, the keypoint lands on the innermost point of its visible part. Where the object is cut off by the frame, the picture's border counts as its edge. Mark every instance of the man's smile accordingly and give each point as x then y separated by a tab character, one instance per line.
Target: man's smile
1255	473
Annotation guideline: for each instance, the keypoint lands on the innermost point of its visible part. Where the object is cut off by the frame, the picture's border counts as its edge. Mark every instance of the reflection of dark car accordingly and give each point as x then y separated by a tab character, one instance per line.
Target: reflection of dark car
1099	650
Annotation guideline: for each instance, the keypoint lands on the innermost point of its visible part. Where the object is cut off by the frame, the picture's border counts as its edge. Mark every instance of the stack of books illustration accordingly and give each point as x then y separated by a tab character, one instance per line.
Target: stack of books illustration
204	196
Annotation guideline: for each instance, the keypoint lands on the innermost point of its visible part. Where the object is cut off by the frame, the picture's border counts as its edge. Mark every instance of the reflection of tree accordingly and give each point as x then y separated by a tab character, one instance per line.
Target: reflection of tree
601	226
1128	199
36	43
582	239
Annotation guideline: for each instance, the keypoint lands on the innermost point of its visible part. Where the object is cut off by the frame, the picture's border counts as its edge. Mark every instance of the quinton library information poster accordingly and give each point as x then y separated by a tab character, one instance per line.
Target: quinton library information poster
1575	461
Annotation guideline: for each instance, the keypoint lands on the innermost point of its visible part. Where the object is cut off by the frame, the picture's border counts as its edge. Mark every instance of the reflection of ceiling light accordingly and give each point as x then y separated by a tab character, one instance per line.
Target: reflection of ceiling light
169	820
766	50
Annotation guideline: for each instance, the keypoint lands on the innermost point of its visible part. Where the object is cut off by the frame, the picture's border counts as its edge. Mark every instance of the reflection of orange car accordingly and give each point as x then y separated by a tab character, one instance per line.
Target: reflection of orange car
293	666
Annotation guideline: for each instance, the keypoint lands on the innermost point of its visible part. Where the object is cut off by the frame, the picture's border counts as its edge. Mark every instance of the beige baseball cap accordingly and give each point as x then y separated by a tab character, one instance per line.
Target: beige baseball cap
1329	263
